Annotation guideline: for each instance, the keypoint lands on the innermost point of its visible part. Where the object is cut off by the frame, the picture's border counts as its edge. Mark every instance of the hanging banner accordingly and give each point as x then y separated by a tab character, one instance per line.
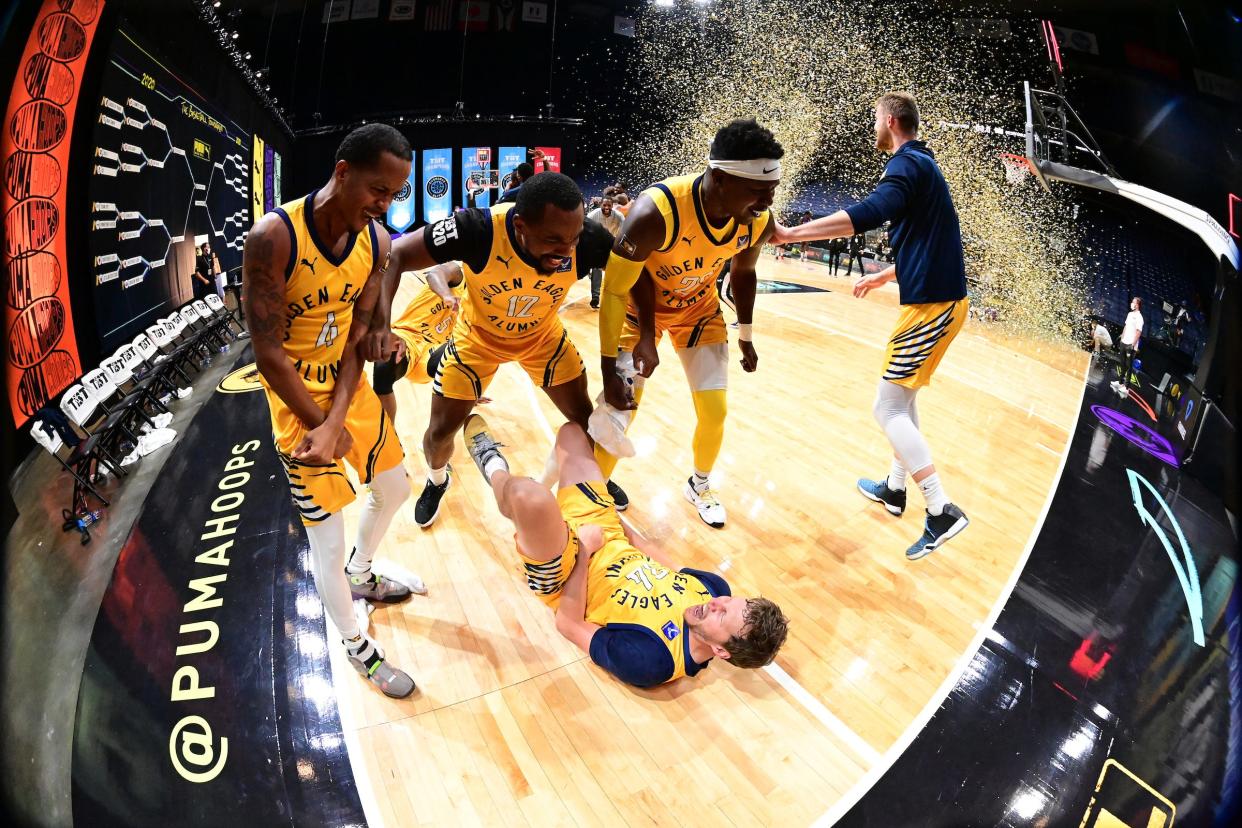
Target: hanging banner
437	184
401	209
553	156
401	10
475	161
269	179
257	166
41	349
510	157
276	199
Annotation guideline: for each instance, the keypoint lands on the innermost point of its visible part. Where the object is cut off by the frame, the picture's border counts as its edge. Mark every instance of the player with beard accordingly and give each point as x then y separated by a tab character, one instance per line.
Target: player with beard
519	262
622	601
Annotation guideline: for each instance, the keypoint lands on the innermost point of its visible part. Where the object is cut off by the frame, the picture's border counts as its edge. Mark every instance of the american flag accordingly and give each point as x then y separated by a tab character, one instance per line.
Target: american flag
438	15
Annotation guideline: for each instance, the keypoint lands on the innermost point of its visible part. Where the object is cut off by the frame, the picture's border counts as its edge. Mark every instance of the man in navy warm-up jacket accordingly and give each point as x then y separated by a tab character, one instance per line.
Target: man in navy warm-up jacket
931	280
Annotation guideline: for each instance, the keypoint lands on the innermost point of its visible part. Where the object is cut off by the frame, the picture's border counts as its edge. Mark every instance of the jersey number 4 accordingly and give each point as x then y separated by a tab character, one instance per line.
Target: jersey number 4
520	306
329	332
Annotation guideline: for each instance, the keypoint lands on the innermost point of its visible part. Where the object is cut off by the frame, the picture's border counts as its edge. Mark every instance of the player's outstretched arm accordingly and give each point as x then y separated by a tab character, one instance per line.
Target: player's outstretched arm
875	280
264	259
642	233
442	279
407	253
834	226
571	612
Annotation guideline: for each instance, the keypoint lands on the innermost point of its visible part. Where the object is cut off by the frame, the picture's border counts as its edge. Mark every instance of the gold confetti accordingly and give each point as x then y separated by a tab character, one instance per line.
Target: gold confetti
811	70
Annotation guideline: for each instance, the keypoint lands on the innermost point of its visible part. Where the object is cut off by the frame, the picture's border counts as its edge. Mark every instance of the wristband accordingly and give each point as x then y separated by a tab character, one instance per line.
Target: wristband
744	332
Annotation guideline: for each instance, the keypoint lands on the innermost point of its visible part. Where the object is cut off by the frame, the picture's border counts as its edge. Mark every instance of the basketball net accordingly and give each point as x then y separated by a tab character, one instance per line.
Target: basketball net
1017	168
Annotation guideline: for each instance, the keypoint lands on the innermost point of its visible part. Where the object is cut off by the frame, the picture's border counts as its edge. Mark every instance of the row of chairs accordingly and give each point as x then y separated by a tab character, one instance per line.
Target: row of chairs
111	403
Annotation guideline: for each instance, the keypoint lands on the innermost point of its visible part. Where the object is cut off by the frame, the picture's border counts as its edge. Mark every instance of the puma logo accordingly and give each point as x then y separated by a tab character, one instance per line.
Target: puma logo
688	239
311	264
504	261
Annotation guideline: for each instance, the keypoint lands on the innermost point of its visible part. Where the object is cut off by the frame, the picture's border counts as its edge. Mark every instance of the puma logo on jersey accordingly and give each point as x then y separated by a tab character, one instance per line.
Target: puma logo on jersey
688	239
442	231
504	261
311	264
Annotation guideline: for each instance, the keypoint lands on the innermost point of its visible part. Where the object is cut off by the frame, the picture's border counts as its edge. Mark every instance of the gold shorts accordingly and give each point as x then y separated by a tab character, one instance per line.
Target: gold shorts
580	504
920	341
319	490
701	324
416	350
549	358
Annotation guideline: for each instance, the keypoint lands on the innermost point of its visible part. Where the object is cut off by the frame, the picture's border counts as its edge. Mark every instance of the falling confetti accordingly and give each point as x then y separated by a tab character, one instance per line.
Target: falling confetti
811	70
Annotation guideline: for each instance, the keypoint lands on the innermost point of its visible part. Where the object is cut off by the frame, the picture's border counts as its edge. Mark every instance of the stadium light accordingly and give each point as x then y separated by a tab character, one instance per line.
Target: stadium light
665	3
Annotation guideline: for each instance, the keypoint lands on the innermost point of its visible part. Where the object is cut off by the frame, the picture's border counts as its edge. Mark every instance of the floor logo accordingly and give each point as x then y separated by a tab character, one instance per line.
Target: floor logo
1119	791
242	380
1183	561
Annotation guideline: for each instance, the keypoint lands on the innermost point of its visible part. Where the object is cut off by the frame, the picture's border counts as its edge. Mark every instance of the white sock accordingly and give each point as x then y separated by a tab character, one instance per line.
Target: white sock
438	476
388	490
933	493
497	463
699	480
897	476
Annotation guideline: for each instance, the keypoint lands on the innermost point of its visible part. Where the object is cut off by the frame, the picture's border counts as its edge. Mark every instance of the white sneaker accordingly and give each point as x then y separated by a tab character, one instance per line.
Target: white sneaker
710	508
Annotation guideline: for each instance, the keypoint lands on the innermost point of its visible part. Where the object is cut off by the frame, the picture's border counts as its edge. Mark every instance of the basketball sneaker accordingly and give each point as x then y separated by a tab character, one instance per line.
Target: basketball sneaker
427	507
370	663
619	498
375	587
482	446
937	530
894	501
709	506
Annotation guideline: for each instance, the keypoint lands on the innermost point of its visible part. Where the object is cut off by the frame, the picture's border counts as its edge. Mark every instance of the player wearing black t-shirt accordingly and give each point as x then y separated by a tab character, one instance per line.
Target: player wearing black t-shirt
519	263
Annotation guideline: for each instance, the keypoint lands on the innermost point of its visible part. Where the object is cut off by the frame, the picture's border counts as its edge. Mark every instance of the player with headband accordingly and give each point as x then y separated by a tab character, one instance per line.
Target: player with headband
661	278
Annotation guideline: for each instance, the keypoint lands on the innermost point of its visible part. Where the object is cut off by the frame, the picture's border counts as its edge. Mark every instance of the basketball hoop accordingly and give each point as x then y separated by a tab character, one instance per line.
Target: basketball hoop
1017	168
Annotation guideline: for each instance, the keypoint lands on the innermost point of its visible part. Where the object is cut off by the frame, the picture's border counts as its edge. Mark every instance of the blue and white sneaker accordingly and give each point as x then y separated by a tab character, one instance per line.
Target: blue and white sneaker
894	501
937	531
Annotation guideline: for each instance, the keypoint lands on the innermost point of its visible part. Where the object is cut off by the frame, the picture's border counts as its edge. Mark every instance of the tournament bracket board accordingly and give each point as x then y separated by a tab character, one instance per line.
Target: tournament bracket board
167	167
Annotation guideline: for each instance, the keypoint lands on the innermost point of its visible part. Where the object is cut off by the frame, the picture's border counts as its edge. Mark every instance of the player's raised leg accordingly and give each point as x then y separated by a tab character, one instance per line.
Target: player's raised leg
536	516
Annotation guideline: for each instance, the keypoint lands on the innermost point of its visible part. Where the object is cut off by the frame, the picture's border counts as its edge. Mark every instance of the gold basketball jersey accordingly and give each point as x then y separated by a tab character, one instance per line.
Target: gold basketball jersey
320	292
631	588
509	298
686	265
427	318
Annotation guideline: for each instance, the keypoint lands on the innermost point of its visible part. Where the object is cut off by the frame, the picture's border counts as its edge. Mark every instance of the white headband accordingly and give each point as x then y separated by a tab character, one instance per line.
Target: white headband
758	169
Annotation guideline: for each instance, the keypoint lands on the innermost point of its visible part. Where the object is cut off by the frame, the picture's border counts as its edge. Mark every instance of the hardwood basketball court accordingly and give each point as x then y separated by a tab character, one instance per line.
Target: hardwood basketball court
514	725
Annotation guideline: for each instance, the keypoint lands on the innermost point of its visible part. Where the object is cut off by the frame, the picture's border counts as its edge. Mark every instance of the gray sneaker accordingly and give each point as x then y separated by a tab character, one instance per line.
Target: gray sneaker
375	587
480	443
370	663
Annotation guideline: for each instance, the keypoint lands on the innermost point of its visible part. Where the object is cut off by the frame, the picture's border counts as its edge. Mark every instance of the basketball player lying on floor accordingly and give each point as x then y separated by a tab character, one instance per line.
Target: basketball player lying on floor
624	603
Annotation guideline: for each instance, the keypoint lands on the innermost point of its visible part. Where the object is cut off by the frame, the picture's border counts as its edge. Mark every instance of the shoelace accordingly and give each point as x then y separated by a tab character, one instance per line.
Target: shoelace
707	497
484	446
